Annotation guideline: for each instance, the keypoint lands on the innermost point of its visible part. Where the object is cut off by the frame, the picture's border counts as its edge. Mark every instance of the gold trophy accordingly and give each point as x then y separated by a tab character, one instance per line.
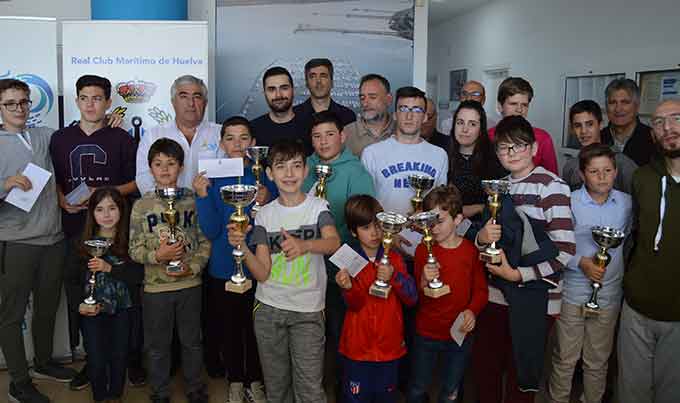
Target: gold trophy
238	196
171	217
257	154
495	189
605	238
323	172
425	221
96	248
421	184
391	223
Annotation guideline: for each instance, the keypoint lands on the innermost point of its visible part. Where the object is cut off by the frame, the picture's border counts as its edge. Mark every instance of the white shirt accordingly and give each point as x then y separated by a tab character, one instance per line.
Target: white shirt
205	145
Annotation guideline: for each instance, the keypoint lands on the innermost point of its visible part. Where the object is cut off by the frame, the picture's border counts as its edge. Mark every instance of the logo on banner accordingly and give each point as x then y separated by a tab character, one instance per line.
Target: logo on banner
41	95
159	115
136	91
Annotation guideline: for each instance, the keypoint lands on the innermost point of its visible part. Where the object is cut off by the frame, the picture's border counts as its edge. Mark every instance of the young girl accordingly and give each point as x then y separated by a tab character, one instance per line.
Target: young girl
105	331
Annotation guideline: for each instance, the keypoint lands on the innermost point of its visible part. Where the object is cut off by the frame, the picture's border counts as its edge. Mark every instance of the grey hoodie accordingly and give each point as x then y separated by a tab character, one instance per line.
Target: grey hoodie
42	225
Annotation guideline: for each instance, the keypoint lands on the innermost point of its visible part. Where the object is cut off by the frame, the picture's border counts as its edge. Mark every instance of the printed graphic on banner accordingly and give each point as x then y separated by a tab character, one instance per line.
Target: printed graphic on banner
136	91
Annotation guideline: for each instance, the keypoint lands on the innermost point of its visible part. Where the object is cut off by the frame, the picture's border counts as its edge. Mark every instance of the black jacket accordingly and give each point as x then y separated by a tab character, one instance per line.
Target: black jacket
640	147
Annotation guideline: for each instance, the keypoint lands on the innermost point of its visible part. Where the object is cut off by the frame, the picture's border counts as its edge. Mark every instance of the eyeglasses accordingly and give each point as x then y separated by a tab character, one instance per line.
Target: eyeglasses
660	121
414	109
504	149
12	106
466	94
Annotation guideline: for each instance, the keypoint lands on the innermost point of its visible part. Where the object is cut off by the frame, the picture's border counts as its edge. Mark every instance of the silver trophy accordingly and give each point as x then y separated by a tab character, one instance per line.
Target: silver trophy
171	217
96	248
495	188
238	196
257	154
606	238
425	221
323	172
421	184
390	223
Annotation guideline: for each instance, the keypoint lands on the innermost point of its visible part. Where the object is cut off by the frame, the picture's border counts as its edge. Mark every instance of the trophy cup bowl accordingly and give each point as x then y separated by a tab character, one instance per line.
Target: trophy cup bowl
606	238
323	172
495	188
171	217
238	196
421	184
391	223
96	248
425	221
257	154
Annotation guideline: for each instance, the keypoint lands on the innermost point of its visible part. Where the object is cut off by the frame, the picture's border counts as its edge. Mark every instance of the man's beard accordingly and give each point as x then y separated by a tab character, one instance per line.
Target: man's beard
377	118
281	107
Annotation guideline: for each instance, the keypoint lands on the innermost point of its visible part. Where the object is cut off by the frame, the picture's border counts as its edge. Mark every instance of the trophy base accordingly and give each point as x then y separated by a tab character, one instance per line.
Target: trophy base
590	311
437	292
380	292
493	258
230	286
172	269
87	308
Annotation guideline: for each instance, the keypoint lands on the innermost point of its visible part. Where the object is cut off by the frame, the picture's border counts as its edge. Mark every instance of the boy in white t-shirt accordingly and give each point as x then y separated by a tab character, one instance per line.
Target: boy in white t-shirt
291	235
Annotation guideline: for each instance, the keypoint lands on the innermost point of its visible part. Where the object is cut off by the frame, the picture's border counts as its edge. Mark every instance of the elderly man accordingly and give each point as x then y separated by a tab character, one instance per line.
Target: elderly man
471	91
375	122
429	130
649	335
319	82
199	139
625	131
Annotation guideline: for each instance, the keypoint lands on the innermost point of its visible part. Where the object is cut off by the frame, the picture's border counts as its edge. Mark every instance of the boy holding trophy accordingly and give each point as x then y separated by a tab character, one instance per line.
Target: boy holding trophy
172	292
585	327
453	261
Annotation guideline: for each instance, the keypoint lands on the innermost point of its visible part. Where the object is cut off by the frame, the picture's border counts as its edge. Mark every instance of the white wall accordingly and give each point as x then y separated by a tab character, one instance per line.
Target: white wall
546	40
62	9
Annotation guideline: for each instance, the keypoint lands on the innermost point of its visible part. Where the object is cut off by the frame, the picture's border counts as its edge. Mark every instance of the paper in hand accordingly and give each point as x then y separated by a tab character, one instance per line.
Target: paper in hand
25	200
78	195
347	258
456	334
221	167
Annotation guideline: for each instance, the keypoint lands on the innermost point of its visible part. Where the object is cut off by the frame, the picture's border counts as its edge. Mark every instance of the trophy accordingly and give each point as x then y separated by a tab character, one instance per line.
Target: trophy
96	248
323	172
238	196
421	184
257	154
605	238
171	217
495	189
425	221
391	223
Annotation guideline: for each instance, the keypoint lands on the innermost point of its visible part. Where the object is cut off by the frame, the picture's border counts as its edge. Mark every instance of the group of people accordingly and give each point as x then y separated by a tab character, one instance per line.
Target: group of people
272	341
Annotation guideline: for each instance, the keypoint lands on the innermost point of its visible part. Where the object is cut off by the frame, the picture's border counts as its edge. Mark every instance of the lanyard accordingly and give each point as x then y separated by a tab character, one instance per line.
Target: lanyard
26	141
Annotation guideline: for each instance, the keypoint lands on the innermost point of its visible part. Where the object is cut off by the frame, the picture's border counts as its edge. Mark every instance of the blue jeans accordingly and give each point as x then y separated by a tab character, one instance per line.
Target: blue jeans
106	343
424	358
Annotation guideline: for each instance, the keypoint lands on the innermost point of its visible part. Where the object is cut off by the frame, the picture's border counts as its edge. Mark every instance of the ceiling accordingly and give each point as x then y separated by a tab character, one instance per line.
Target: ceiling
442	10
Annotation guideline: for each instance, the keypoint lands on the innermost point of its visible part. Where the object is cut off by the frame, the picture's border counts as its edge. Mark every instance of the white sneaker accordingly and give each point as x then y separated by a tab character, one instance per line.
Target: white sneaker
236	394
255	393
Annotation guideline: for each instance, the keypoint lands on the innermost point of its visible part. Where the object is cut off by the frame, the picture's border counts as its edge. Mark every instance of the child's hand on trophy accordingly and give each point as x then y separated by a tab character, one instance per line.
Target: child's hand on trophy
262	196
343	279
167	252
98	264
235	236
385	272
504	270
431	271
594	272
489	233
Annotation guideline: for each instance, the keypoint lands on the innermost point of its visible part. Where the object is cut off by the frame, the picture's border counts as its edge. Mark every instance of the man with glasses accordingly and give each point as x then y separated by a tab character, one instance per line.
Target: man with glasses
471	91
199	138
625	132
31	248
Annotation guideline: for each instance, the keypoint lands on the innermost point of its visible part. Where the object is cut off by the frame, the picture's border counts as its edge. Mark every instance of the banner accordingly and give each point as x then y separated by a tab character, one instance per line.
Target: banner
140	58
29	54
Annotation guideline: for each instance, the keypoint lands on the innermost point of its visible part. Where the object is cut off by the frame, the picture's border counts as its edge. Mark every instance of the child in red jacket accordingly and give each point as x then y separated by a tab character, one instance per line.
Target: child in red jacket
458	266
372	339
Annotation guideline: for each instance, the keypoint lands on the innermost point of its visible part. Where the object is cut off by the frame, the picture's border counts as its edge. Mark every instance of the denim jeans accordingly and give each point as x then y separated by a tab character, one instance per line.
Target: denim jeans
106	343
424	358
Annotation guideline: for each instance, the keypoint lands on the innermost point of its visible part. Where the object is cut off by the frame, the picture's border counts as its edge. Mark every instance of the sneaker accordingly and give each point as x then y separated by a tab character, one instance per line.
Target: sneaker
80	381
198	397
53	372
255	393
236	392
25	392
137	376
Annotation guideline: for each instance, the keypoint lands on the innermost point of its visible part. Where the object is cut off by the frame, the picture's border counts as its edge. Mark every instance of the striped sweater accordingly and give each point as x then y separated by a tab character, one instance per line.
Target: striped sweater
544	197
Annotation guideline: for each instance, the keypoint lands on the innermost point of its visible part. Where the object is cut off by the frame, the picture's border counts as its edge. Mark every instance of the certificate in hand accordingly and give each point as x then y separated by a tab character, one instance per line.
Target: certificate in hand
347	258
25	200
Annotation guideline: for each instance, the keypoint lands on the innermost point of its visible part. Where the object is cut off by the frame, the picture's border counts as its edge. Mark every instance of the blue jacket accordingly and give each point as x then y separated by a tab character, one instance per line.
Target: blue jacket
213	217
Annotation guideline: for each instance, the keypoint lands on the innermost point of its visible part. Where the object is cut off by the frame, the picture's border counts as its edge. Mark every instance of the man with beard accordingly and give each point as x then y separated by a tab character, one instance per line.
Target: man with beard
649	336
199	139
375	122
280	123
625	132
319	81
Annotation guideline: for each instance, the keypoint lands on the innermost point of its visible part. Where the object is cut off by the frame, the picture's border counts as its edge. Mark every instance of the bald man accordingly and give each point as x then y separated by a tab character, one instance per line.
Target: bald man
472	91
